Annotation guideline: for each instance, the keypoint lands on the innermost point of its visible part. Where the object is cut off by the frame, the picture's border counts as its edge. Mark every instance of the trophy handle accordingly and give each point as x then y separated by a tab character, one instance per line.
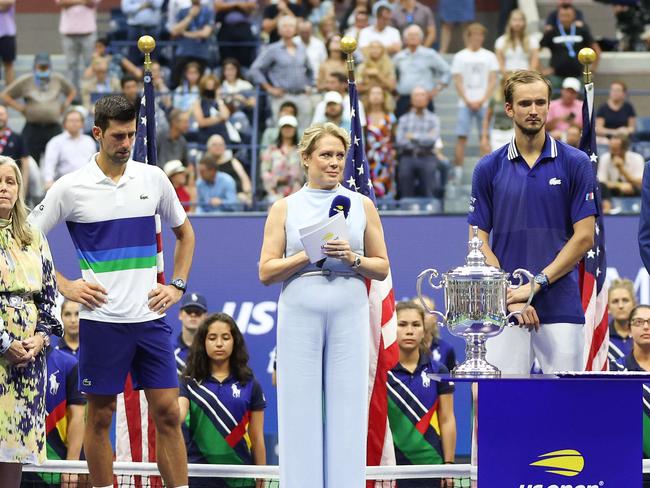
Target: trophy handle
431	273
519	273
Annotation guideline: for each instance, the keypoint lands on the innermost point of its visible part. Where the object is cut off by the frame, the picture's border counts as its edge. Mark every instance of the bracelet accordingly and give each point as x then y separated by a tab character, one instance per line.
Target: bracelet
5	342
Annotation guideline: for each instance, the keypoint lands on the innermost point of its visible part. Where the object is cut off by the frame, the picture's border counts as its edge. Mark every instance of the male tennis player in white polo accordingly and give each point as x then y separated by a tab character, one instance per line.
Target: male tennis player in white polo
109	207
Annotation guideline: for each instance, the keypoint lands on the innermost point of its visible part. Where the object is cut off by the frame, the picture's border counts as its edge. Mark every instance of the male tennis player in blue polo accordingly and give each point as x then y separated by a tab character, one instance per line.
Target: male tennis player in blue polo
535	197
109	207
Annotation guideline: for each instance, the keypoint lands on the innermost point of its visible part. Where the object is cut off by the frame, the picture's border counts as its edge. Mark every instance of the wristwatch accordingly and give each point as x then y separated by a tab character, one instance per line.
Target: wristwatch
357	262
179	284
542	280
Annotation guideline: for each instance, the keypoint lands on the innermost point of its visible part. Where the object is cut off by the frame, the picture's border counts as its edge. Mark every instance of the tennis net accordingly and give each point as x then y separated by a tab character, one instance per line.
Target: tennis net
74	474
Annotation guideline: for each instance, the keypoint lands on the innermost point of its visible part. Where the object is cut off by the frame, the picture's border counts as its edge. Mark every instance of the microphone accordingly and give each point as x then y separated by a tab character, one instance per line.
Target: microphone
340	203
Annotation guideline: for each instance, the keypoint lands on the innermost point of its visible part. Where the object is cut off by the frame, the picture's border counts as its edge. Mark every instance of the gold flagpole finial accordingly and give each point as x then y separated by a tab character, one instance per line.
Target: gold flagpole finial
348	46
146	45
587	56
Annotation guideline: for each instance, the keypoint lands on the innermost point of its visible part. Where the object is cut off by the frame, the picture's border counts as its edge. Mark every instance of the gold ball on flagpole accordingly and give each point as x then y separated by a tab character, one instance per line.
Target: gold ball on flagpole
348	44
587	55
146	44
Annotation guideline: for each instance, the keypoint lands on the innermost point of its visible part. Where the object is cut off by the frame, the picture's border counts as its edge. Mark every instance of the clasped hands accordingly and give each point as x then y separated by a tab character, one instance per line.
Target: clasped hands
516	301
339	249
21	353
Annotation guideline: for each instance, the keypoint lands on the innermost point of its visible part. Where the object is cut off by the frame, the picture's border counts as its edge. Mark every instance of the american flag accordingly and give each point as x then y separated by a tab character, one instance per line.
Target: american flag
144	150
135	434
593	266
384	353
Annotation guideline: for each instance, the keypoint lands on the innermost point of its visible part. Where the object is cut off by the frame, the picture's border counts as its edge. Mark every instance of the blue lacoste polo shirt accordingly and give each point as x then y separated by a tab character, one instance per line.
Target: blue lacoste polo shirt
530	213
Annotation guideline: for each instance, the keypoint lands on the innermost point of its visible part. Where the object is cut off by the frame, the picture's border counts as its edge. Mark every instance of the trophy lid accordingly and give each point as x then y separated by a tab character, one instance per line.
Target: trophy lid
475	266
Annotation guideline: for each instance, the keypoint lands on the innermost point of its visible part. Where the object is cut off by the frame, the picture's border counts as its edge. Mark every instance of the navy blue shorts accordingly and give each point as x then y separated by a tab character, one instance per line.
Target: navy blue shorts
109	351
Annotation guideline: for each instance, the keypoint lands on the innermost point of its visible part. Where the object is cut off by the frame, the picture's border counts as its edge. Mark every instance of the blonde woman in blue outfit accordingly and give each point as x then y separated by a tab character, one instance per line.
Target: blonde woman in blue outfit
323	321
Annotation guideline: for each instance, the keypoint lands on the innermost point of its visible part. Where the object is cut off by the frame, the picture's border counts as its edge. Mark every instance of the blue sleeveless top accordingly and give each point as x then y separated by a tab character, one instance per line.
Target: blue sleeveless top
310	206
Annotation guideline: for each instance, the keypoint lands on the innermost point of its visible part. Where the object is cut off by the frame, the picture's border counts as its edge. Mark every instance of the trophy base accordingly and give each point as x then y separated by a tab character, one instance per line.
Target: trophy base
476	368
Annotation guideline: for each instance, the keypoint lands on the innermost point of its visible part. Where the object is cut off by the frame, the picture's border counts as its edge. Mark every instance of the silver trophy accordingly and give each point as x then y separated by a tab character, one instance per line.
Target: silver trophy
475	300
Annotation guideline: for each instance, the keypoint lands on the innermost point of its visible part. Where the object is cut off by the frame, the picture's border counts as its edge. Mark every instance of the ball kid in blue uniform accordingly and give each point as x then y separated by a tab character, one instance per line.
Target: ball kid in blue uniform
620	302
221	402
639	360
194	310
70	318
420	409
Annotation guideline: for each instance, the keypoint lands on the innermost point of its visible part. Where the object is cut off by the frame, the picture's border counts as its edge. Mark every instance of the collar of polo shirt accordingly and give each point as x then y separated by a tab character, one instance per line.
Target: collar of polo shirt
100	176
548	151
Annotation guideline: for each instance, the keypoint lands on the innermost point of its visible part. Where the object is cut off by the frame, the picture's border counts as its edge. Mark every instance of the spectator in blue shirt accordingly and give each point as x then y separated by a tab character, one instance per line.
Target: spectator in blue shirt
194	310
142	17
192	31
536	196
216	191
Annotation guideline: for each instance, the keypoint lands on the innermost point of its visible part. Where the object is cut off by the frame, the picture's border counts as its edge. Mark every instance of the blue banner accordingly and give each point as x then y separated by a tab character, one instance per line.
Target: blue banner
559	434
225	271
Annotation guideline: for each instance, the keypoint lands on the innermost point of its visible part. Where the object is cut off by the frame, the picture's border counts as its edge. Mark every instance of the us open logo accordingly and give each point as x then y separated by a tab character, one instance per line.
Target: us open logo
565	462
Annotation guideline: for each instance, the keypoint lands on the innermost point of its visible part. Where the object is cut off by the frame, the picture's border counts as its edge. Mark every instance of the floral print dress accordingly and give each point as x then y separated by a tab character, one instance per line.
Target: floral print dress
380	154
281	171
26	271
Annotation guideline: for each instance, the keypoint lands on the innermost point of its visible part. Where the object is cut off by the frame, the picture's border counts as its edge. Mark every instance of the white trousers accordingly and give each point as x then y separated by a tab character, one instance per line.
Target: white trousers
322	374
557	347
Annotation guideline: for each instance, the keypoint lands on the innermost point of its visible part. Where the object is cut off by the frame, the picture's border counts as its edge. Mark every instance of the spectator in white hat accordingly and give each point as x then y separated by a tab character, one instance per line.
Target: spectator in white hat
566	110
182	178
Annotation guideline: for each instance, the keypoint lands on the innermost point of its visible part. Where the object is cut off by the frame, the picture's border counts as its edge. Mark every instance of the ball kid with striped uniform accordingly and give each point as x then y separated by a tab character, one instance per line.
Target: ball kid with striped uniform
638	359
221	402
420	409
64	424
109	207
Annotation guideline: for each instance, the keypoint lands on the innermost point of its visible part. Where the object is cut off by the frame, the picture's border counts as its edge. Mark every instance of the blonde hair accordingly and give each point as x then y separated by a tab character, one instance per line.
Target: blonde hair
316	132
21	230
622	284
513	39
474	27
387	104
383	64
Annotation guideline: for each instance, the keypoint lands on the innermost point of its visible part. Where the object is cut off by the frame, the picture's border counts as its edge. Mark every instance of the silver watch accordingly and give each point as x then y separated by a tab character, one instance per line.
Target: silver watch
357	261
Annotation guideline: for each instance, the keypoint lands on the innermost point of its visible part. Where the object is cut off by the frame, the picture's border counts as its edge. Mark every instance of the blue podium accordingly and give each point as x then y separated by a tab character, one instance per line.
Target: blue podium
565	431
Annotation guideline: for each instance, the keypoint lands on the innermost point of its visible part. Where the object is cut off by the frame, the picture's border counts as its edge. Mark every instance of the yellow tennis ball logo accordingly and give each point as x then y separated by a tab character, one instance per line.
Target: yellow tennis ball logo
566	462
328	236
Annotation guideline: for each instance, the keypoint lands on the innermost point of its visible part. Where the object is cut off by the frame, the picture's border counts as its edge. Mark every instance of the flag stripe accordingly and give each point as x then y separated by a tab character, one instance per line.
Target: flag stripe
593	266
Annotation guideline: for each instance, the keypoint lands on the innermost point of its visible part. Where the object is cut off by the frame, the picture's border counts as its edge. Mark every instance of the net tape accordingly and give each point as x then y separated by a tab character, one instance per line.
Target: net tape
377	473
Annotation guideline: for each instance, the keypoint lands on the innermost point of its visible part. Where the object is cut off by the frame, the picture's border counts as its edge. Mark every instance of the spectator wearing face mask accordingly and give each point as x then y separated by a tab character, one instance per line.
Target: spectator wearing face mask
42	96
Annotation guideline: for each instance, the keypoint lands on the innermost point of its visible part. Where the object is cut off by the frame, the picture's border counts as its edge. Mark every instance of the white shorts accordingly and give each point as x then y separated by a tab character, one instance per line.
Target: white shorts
557	347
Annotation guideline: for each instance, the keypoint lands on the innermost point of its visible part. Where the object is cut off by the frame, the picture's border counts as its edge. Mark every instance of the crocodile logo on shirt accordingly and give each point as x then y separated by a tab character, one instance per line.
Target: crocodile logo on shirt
555	181
144	197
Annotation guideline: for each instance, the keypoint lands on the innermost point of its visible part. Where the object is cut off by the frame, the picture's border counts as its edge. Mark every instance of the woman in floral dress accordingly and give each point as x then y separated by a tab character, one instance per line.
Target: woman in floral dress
27	294
281	171
380	125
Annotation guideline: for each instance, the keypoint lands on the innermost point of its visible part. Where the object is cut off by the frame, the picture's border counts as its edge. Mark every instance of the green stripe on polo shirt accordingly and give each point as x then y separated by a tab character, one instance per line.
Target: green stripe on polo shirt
118	264
646	436
213	445
408	440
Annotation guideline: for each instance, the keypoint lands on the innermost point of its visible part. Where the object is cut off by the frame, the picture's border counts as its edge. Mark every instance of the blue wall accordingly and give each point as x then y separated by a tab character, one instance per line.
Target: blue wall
225	271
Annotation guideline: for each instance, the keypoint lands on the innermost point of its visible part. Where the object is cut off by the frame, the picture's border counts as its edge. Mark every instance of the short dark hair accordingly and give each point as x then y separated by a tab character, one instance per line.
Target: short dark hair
289	103
341	77
126	79
635	310
113	107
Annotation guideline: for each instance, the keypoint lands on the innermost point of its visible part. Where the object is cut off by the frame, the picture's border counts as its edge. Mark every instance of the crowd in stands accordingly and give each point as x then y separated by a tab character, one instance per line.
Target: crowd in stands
237	82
